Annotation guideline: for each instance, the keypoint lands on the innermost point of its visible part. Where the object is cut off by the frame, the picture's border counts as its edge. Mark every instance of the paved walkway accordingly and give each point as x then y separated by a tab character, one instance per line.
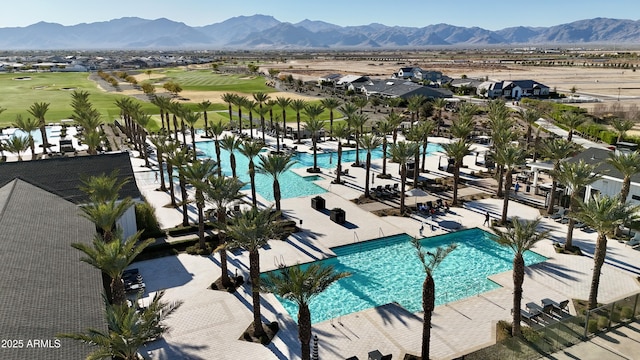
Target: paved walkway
621	343
210	323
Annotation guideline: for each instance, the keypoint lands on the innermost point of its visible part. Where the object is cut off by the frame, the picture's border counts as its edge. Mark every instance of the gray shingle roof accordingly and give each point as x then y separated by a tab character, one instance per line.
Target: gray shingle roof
61	176
45	289
599	156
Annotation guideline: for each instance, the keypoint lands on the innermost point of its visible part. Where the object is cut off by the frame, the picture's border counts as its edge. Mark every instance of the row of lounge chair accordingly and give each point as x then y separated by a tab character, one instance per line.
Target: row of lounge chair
387	191
133	281
562	217
535	312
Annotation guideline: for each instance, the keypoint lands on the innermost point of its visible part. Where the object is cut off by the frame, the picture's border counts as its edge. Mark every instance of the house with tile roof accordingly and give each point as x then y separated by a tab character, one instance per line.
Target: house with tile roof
45	288
515	89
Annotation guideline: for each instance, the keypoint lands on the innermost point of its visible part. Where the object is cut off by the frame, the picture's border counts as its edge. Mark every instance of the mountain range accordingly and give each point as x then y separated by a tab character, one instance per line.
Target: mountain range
262	32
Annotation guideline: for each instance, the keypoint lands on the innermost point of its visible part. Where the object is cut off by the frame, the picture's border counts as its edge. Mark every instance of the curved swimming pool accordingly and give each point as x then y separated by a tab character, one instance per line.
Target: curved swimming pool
388	270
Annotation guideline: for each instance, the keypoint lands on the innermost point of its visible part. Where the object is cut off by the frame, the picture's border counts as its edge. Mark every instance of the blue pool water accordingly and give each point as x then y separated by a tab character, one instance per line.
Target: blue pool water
388	270
291	184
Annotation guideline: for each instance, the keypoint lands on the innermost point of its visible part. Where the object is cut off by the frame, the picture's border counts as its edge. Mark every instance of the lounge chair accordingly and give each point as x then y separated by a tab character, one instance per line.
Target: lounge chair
558	214
528	316
635	240
558	307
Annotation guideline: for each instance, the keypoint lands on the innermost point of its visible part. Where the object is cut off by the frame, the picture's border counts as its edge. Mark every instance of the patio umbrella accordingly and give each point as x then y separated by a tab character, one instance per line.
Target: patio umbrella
415	192
315	347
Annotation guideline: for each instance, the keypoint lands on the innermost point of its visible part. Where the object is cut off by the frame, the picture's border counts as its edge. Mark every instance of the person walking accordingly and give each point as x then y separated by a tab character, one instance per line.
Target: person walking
486	219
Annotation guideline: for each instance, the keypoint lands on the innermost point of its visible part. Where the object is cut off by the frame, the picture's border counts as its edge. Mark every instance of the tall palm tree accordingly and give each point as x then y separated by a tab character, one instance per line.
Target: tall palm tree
231	144
28	125
204	107
129	329
160	143
360	102
340	131
572	120
39	110
425	129
262	111
330	104
112	258
621	126
191	118
349	110
556	150
163	104
178	111
240	102
170	149
197	174
102	188
261	98
509	156
521	236
270	104
528	116
179	159
369	142
456	150
284	103
298	105
105	215
394	120
275	166
314	125
604	214
384	128
216	131
251	149
251	230
250	105
439	104
575	176
230	99
17	145
301	285
628	164
142	121
413	134
357	122
394	102
430	261
414	103
401	152
223	191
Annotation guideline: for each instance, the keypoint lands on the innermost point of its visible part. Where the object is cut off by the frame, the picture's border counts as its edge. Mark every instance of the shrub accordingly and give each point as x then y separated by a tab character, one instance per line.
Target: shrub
603	322
531	335
147	222
626	312
593	326
503	330
196	250
608	136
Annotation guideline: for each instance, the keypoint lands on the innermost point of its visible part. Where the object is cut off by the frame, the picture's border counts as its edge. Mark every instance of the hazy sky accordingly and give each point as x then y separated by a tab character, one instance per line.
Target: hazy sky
490	15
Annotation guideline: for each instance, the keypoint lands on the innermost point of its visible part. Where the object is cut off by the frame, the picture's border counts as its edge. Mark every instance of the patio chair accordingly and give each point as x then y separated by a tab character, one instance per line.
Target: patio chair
558	214
635	240
529	317
559	307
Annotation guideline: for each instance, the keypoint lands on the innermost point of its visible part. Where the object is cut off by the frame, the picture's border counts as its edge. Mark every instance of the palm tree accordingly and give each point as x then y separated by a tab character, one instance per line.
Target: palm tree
413	104
301	285
178	111
216	131
163	104
357	122
28	126
251	149
170	149
384	128
314	125
262	111
575	176
521	236
283	102
179	159
360	102
250	105
230	99
270	104
456	150
142	121
439	104
502	133
251	230
424	130
129	329
298	105
261	98
622	126
572	120
394	102
509	156
275	166
160	142
105	215
231	144
430	261
369	142
340	131
413	134
204	107
223	191
240	102
628	164
112	258
330	104
556	150
529	116
401	152
192	118
102	188
197	174
16	145
39	110
394	120
604	214
349	110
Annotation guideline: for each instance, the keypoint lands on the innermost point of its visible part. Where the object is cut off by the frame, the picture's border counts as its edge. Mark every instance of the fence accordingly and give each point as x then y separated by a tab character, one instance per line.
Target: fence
607	316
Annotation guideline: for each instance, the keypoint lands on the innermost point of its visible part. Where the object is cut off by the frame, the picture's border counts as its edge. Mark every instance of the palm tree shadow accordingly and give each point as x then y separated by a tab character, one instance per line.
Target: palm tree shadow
557	271
394	310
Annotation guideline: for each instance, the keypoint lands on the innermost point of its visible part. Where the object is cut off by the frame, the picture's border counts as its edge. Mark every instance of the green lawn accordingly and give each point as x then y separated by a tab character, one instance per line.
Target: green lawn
55	89
206	80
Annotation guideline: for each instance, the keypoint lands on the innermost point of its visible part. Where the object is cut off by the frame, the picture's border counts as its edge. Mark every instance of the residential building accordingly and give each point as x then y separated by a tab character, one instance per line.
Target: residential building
515	89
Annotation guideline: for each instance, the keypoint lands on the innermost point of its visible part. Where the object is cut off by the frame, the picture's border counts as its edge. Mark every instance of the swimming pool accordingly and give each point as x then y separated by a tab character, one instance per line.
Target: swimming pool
388	270
291	184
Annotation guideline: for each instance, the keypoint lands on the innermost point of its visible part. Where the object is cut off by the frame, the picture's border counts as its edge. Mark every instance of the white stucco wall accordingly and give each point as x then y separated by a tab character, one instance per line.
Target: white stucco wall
611	187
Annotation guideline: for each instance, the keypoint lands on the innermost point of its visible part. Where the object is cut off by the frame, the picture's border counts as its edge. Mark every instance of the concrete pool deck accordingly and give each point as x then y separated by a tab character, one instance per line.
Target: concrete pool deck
209	323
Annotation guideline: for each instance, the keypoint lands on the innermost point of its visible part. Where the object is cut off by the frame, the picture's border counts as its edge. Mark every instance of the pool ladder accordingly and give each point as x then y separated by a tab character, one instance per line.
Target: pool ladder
279	263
